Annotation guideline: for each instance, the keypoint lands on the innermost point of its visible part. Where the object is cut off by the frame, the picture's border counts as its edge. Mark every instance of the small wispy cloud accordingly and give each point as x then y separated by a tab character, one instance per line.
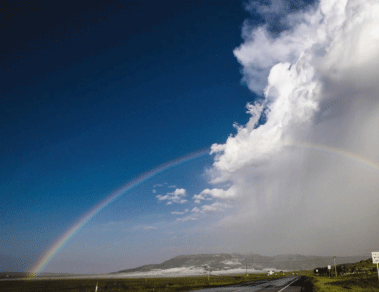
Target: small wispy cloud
196	210
198	197
187	218
154	191
209	194
149	228
180	213
174	197
215	207
172	186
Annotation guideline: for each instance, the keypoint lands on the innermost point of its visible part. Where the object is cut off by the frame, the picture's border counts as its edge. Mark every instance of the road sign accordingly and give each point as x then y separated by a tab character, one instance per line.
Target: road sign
329	267
375	257
375	260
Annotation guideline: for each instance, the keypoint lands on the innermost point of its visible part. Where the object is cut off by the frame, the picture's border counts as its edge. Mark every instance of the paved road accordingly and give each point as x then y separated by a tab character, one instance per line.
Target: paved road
288	284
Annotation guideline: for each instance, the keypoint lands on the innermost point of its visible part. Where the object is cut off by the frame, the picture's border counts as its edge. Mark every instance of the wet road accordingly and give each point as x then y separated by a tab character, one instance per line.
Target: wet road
289	284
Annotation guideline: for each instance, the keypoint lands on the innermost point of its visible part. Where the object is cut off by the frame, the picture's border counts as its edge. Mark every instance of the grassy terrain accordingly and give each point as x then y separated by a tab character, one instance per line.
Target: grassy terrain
354	282
125	284
361	276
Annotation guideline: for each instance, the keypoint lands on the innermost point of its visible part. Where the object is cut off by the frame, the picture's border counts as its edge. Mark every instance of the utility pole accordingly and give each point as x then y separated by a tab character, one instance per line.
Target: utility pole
207	269
335	267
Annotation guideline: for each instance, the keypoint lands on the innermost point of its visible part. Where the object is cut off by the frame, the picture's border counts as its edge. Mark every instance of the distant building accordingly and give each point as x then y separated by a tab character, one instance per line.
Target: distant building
270	273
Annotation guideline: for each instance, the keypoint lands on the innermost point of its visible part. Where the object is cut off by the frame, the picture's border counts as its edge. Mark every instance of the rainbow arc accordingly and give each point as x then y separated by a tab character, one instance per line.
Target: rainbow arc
63	239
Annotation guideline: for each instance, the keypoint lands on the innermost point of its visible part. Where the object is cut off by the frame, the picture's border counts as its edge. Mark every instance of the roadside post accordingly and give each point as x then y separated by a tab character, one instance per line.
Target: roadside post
375	260
329	268
207	269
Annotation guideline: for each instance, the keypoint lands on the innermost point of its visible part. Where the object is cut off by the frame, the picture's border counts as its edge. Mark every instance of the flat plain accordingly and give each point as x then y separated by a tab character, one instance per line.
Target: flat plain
129	284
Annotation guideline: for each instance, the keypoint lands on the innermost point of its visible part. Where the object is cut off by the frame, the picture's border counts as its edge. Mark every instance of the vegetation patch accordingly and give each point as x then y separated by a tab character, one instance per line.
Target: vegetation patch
357	282
128	284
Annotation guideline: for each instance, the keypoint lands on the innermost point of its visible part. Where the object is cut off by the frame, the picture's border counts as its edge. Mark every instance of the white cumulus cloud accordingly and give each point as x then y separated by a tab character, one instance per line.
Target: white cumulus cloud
318	85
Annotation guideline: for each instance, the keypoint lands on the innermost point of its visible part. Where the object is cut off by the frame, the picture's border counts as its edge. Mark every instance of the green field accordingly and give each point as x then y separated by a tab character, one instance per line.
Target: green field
127	284
355	282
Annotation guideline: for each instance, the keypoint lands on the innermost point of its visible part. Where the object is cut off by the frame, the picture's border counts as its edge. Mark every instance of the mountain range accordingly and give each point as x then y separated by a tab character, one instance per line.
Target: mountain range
235	261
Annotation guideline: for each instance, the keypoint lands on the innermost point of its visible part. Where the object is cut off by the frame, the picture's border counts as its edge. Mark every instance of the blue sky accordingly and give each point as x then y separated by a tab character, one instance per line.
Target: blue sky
97	93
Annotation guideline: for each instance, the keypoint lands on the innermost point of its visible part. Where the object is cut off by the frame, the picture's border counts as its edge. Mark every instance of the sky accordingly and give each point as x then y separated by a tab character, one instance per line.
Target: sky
283	94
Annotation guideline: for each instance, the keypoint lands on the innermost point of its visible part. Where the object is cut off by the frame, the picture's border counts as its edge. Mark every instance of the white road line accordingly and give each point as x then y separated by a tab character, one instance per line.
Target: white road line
288	285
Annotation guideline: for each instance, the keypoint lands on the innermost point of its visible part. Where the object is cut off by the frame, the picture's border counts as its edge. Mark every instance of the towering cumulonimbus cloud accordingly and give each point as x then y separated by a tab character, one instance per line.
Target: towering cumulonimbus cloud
318	80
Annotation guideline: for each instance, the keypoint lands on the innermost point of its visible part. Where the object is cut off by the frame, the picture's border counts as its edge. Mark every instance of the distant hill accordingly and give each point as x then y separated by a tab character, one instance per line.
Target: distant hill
224	262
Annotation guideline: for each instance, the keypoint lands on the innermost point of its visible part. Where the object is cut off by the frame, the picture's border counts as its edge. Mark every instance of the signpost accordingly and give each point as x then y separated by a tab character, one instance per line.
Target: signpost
375	260
329	268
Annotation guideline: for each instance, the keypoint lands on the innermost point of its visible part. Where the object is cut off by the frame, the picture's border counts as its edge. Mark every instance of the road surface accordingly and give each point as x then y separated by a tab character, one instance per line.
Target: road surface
289	284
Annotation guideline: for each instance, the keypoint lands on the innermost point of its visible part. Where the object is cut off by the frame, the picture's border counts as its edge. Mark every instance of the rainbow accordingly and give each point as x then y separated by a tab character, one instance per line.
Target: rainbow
64	238
338	151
